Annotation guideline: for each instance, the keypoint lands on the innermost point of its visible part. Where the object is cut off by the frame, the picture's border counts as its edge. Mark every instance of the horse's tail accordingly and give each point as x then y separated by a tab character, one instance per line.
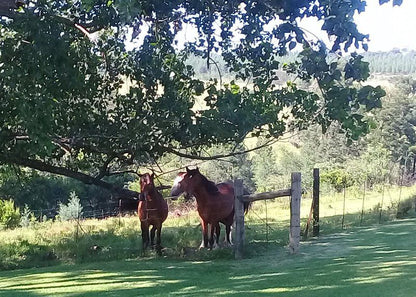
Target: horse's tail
247	204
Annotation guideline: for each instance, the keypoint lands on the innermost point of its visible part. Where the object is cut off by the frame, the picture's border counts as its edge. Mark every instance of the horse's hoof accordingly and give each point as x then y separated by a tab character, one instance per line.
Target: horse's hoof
227	243
201	247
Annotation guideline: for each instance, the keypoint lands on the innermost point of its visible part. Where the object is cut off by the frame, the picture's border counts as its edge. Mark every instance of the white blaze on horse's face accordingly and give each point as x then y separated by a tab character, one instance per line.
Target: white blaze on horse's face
177	188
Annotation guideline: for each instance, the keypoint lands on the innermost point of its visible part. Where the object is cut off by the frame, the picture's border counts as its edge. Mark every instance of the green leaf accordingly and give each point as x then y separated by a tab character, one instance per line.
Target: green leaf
235	89
292	45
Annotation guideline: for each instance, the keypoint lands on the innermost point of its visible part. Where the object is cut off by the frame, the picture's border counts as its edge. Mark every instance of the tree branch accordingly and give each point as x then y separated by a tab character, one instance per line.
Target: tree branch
123	172
86	179
7	8
104	169
214	157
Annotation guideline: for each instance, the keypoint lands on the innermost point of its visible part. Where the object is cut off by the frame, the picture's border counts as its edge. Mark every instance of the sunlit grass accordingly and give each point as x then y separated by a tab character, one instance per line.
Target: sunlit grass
376	261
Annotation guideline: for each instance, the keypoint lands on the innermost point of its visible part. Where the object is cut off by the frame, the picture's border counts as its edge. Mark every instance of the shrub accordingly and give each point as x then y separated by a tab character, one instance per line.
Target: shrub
337	178
27	217
403	207
9	215
72	210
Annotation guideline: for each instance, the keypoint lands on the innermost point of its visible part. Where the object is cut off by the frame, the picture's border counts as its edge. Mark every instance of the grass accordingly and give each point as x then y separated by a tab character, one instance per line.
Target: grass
372	261
52	243
103	257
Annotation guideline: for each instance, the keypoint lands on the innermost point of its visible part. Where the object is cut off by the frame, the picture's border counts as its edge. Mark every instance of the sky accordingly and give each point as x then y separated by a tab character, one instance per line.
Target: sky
389	27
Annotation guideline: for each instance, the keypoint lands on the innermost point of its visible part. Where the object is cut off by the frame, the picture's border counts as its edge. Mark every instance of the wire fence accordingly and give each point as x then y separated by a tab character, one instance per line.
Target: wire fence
98	211
352	206
108	209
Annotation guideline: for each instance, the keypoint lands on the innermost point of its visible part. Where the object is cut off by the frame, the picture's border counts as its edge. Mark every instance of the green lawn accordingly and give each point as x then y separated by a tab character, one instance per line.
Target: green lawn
379	260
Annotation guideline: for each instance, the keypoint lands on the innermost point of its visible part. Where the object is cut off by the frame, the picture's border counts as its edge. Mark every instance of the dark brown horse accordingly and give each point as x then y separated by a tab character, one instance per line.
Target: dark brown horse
152	210
215	203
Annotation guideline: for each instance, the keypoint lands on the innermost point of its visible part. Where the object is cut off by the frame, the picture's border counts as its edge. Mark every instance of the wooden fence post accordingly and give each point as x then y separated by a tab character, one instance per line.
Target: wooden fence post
238	219
315	202
294	232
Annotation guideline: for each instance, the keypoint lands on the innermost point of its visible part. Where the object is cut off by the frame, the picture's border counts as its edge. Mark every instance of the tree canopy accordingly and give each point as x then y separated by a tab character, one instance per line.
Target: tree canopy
63	65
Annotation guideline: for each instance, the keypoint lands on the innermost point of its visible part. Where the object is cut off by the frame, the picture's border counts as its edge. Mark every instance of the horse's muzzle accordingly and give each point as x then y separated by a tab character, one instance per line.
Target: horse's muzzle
176	191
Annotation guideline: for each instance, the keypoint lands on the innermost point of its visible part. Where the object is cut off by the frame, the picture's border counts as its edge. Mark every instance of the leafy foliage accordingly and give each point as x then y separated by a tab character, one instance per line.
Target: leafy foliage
9	215
395	124
239	166
71	211
63	65
339	179
27	217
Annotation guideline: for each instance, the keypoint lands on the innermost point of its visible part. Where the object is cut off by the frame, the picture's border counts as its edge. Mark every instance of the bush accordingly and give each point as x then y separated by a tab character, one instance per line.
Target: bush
27	218
71	211
404	207
337	178
9	215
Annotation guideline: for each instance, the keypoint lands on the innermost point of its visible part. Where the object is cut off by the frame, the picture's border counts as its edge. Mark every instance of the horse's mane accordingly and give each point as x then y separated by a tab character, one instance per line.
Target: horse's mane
209	185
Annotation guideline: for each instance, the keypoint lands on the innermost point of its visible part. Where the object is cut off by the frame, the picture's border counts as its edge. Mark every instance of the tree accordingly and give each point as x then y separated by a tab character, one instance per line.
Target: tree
227	169
63	64
9	214
71	211
396	123
265	171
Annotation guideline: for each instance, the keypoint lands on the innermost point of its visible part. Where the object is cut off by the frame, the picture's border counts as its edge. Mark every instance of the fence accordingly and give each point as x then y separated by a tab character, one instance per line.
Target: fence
295	192
100	210
355	206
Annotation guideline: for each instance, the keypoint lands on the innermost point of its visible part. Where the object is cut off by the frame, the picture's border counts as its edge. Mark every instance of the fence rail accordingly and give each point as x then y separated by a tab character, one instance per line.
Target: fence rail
265	195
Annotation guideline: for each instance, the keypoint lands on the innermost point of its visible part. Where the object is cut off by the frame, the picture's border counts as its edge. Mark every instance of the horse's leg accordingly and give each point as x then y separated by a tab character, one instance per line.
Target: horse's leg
145	235
152	235
211	239
228	234
213	242
159	240
204	242
217	234
228	221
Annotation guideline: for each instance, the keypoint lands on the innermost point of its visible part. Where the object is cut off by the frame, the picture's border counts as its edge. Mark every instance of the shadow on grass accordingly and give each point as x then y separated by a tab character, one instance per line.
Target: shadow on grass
374	261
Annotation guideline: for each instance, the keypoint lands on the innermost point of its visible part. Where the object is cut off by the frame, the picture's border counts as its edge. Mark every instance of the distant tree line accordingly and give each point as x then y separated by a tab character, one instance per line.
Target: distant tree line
392	62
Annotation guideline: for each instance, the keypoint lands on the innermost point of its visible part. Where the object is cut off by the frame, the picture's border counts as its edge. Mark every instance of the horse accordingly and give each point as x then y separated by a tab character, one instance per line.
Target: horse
215	204
152	211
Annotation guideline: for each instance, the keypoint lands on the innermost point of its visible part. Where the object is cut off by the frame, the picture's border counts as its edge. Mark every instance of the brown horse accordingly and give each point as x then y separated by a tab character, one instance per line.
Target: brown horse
152	210
215	203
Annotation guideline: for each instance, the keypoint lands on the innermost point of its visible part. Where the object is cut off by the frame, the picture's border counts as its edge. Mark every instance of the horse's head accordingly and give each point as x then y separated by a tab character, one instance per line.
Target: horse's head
185	182
146	184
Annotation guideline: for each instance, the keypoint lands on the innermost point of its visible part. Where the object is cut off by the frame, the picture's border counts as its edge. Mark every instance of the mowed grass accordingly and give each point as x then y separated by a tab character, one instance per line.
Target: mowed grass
361	258
364	261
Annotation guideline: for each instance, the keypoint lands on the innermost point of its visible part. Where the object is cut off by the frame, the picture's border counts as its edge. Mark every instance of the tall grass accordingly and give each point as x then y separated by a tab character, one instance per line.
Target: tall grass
49	243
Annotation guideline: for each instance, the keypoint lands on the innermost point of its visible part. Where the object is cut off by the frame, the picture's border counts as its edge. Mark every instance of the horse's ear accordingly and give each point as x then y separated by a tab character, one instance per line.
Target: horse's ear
187	169
152	176
197	169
